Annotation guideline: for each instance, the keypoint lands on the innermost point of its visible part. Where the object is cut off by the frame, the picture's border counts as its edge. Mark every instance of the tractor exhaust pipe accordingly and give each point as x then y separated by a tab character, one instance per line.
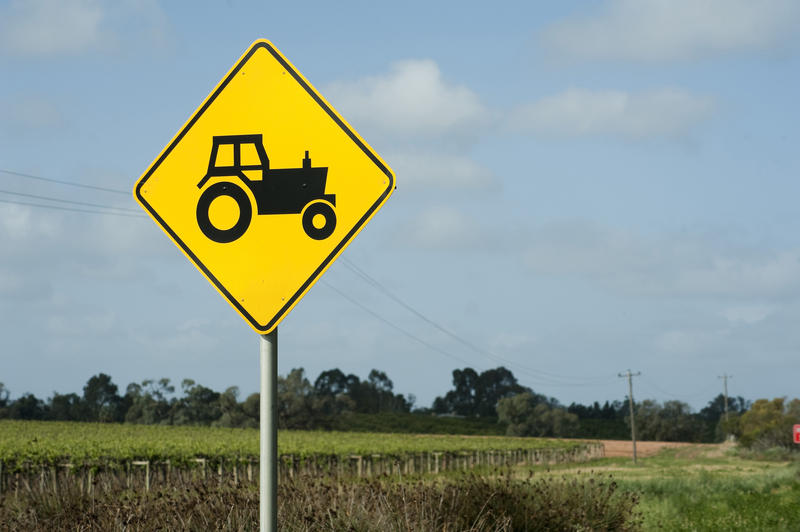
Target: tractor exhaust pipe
307	161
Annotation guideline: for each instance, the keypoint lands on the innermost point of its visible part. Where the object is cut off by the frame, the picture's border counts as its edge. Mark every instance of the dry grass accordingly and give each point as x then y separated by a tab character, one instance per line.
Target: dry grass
467	503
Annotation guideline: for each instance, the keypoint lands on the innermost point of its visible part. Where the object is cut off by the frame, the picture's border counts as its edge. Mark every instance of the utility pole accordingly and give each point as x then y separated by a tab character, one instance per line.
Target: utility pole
725	378
630	404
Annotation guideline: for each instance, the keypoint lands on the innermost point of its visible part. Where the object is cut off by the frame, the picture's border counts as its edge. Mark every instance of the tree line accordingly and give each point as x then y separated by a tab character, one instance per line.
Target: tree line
493	396
301	405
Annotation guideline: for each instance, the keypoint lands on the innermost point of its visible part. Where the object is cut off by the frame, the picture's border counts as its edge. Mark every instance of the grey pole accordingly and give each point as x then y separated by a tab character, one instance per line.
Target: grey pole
630	404
268	442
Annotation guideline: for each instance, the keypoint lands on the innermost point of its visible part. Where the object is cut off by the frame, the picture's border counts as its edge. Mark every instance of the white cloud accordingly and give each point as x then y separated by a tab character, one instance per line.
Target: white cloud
691	341
69	27
80	323
510	341
576	112
662	265
43	247
15	286
410	108
44	27
411	99
444	227
768	274
30	113
585	249
448	171
657	30
192	335
747	314
20	225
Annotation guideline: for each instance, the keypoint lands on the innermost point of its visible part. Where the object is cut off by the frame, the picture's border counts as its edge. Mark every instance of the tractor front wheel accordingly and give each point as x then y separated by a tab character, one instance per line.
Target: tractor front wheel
310	215
217	190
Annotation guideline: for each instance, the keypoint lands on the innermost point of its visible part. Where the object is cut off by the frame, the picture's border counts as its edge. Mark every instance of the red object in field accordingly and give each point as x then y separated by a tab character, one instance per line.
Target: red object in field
797	433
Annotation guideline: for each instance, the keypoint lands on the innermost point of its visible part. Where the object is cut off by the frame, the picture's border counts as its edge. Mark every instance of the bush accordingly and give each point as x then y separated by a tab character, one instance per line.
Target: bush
769	424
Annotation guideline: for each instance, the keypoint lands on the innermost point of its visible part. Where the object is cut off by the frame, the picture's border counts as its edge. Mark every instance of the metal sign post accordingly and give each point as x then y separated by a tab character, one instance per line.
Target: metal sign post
268	440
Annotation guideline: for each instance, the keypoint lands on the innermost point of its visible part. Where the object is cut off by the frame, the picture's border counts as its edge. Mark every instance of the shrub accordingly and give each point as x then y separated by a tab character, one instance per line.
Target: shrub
769	424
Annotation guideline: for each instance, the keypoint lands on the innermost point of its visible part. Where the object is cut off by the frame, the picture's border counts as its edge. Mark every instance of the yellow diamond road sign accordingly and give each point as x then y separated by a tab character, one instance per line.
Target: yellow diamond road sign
264	186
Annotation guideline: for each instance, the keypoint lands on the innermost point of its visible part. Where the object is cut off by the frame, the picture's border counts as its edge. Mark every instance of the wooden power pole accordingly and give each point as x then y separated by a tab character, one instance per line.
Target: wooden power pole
725	378
630	404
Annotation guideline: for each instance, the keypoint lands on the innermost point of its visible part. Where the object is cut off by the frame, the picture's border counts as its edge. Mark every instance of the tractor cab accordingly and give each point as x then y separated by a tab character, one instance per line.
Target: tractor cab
232	155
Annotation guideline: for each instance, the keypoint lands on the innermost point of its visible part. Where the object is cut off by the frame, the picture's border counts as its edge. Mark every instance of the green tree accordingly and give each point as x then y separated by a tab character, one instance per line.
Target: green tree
68	407
462	399
251	407
198	406
337	393
331	382
769	423
101	399
713	415
4	395
27	406
331	393
149	402
527	414
233	412
672	421
476	394
715	409
492	386
295	401
380	389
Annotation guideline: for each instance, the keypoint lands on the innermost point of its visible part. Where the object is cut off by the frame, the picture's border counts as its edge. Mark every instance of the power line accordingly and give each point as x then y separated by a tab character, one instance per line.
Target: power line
684	396
365	276
67	183
544	377
133	214
392	325
537	379
541	375
59	200
71	209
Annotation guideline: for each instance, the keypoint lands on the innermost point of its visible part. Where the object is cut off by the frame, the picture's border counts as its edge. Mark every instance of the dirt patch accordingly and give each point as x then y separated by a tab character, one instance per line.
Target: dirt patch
616	448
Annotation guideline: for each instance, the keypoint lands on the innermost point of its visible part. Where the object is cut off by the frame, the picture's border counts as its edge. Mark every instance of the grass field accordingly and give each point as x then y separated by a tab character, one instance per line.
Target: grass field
705	488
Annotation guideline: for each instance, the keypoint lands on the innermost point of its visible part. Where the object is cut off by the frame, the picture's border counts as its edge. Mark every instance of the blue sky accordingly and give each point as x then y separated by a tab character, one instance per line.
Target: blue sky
582	188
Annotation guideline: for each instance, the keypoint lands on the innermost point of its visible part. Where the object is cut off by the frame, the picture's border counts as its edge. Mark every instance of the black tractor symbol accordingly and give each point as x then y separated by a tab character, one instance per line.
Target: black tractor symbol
279	191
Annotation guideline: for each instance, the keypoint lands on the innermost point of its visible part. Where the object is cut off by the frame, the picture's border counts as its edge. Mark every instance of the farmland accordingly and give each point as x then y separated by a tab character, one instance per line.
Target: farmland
46	443
674	486
391	491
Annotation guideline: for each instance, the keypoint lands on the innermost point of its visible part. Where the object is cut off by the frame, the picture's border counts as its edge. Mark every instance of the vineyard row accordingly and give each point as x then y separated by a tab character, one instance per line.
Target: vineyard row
144	474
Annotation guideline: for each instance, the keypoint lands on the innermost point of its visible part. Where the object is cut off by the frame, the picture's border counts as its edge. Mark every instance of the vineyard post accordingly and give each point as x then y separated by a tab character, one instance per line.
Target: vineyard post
268	441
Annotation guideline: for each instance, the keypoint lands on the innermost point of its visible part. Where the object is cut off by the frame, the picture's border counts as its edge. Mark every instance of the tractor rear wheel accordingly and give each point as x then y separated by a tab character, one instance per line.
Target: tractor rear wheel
311	211
217	190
